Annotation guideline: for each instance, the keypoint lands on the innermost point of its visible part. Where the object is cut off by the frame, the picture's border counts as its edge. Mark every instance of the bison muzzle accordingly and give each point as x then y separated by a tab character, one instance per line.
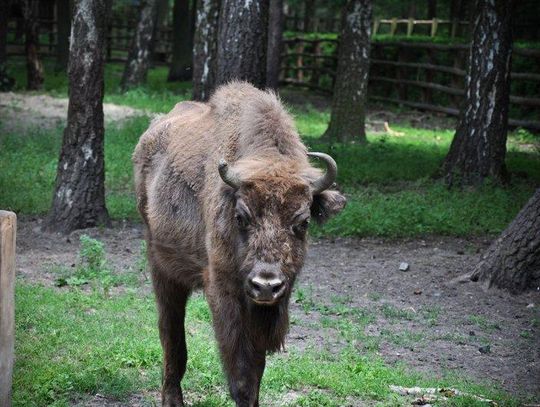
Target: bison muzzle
226	192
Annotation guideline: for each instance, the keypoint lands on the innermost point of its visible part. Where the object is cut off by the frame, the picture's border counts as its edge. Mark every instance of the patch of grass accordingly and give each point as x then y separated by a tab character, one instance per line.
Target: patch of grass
72	343
391	312
484	323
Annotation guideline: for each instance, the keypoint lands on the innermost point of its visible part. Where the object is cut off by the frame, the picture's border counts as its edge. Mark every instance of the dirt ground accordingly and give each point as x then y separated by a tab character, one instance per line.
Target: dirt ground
425	320
22	111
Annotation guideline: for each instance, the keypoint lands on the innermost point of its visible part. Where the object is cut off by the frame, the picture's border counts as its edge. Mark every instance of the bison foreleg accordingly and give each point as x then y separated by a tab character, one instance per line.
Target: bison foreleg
171	300
243	361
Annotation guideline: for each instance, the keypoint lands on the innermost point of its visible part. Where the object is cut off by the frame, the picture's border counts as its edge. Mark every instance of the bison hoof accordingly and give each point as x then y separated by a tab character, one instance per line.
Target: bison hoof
172	400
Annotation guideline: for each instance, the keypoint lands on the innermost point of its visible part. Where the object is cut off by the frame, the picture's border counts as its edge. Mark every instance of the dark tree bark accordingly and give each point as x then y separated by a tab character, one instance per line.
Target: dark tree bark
63	18
138	61
6	82
182	52
479	146
242	41
347	121
512	261
205	49
34	67
79	197
275	34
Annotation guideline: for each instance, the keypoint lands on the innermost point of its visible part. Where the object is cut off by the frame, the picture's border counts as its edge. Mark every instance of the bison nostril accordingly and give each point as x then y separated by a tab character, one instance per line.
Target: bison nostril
277	288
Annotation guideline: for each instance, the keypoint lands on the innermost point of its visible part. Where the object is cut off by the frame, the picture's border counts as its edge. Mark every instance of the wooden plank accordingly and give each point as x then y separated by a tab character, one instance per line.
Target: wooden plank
420	45
8	226
420	84
527	124
433	67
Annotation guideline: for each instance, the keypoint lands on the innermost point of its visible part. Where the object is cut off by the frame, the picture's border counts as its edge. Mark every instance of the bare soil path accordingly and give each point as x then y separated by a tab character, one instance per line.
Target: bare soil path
418	317
22	111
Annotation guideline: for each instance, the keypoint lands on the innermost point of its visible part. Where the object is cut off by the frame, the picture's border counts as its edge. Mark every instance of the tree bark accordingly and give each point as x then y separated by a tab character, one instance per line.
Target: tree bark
138	61
63	18
275	34
205	49
347	121
79	197
182	52
242	41
34	67
512	262
479	146
6	82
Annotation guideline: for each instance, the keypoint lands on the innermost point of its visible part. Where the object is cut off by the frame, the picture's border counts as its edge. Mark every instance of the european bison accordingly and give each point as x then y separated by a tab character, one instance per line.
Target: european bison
226	192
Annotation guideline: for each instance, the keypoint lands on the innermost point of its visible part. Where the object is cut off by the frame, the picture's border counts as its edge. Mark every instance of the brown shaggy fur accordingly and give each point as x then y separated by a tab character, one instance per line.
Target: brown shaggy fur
193	234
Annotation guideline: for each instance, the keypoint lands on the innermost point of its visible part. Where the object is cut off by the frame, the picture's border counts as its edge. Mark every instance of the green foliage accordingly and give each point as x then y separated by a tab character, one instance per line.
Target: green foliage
92	254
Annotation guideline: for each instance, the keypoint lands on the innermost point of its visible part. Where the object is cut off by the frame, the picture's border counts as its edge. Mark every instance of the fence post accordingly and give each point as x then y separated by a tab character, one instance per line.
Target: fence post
434	26
393	27
316	61
300	61
8	225
376	24
410	27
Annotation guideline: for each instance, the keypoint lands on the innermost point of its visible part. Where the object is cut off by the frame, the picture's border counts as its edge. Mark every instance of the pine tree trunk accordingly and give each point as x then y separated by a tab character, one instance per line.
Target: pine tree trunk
479	146
242	42
34	67
275	34
205	49
512	261
182	52
6	82
63	18
347	121
138	61
79	197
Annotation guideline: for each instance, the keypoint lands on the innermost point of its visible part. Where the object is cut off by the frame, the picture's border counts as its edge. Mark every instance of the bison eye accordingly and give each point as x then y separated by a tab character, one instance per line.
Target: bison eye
300	229
241	220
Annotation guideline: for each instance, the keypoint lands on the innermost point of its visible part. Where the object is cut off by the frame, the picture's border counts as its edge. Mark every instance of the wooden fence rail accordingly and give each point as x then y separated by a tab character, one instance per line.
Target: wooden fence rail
398	67
8	224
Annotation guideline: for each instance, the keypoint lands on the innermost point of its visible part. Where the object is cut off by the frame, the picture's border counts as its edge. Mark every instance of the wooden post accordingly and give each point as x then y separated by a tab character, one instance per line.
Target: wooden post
376	24
300	61
316	64
434	26
393	27
410	26
8	225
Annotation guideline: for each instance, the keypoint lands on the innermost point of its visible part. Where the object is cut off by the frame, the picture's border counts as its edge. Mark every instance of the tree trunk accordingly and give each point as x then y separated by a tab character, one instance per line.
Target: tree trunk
6	82
34	67
512	261
79	197
205	49
347	121
182	52
242	41
479	146
63	18
139	56
275	34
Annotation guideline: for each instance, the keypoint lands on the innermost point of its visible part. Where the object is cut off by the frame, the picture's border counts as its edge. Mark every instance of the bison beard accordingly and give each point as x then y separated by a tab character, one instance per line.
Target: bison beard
226	192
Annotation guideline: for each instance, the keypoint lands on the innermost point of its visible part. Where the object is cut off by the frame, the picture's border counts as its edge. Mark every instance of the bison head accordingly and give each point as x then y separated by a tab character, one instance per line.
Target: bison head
274	202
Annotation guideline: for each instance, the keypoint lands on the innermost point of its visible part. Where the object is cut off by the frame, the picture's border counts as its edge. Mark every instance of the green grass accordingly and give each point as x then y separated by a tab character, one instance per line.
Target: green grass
72	343
388	182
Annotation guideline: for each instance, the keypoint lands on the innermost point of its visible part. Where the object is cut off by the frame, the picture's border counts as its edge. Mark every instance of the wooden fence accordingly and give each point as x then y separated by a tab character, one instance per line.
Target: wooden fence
425	76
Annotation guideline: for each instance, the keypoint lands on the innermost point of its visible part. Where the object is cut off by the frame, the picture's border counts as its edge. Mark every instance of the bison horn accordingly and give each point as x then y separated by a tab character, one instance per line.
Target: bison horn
227	175
327	180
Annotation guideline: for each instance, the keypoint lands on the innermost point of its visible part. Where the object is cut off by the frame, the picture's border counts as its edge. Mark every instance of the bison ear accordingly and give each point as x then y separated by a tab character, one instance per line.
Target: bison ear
327	204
